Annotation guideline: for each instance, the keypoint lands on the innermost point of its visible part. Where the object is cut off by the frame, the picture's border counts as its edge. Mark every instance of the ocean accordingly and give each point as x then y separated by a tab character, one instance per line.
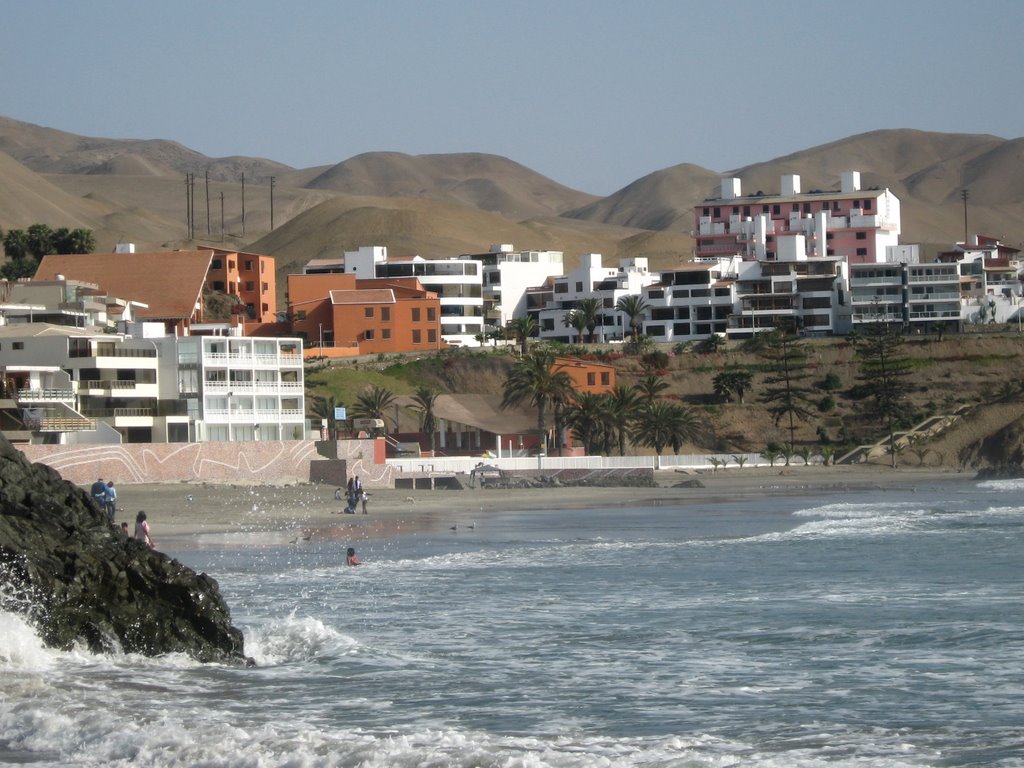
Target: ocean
874	628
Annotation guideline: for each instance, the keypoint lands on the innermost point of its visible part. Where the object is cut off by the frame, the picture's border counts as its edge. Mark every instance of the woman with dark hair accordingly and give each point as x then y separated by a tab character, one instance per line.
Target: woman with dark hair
142	530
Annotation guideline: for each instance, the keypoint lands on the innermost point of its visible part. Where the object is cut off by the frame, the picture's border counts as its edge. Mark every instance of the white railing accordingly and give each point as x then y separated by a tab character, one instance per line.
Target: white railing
466	464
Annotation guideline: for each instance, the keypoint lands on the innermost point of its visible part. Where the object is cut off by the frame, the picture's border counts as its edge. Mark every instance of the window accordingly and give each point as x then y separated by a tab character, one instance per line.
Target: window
385	314
264	287
605	378
369	334
796	208
216	264
218	286
368	312
707	211
416	336
248	264
867	205
717	213
385	333
250	285
764	208
18	345
300	315
579	286
807	207
862	251
431	314
776	209
746	210
591	379
735	210
862	235
415	314
432	335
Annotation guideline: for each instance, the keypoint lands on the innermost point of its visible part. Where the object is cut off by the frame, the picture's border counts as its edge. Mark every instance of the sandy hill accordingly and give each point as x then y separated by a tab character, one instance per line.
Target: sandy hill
487	182
439	205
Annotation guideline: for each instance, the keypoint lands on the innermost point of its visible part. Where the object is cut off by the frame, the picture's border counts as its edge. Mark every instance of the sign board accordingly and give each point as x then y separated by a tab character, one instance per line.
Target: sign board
368	423
340	414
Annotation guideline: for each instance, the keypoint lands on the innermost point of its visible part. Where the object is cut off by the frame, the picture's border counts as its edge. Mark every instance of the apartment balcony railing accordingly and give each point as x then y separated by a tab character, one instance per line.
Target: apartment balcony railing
112	353
108	413
111	384
45	395
59	423
951	278
948	313
869	281
937	296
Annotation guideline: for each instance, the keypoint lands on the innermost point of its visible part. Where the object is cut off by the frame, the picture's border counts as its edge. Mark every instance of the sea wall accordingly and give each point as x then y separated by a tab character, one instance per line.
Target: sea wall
269	462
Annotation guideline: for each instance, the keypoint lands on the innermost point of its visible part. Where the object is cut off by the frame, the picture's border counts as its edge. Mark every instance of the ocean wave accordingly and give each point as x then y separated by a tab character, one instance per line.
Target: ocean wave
21	648
294	640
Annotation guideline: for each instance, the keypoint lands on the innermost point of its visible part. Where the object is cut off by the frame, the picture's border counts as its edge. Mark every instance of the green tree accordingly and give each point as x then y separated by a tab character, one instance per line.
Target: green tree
733	381
423	404
660	423
590	418
590	308
577	321
532	380
624	403
523	327
651	387
16	244
786	393
633	307
40	241
884	371
372	403
322	407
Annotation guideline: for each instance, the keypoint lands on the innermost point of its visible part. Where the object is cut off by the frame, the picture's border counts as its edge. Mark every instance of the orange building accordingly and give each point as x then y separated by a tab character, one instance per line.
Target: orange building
340	315
586	375
248	276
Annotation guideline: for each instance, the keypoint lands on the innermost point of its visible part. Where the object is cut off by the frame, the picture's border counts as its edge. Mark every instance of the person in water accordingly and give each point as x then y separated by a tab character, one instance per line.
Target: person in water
142	530
351	558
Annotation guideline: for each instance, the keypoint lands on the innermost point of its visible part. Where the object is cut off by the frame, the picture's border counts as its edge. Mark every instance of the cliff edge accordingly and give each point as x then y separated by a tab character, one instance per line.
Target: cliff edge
78	580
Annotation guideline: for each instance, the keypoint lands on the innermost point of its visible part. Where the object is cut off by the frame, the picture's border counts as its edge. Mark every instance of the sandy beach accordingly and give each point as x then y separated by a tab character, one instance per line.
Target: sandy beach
177	512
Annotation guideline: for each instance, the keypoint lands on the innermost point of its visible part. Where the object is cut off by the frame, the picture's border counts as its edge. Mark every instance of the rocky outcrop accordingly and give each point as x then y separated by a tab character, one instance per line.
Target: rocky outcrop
1001	452
78	580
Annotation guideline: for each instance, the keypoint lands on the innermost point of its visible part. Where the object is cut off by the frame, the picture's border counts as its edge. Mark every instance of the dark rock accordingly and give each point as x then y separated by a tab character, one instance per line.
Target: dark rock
79	580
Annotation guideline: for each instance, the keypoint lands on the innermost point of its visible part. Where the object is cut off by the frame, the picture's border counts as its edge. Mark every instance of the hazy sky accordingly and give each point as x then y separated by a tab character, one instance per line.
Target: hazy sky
591	94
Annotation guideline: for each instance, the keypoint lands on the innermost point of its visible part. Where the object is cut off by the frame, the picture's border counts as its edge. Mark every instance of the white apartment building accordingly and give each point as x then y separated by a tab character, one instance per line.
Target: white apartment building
66	385
236	388
507	276
590	280
692	301
457	282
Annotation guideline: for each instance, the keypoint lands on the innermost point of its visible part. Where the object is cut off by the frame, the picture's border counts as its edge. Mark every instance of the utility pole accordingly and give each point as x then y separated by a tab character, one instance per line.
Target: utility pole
207	202
272	181
964	195
243	203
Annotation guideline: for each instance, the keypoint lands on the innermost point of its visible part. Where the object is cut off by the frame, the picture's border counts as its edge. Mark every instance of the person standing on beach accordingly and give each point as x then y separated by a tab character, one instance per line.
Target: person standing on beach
142	530
98	491
111	501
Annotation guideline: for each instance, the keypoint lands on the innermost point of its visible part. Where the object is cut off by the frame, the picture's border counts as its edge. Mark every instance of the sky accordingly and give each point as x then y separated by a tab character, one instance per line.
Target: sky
593	95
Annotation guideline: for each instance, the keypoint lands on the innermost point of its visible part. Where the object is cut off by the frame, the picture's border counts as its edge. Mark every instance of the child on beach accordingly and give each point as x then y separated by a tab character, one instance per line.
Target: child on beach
142	530
351	558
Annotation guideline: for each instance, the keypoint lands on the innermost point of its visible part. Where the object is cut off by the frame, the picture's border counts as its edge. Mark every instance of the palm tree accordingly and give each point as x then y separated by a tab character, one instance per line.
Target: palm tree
424	400
660	423
523	327
651	386
323	407
732	381
373	402
588	415
590	308
577	321
633	307
624	402
533	380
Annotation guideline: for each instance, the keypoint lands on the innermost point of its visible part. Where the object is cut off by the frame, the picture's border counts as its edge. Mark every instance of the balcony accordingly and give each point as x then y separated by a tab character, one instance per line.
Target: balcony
109	385
25	396
59	423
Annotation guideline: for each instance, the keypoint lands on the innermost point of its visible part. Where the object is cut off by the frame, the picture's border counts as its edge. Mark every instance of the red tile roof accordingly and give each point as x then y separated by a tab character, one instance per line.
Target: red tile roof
170	282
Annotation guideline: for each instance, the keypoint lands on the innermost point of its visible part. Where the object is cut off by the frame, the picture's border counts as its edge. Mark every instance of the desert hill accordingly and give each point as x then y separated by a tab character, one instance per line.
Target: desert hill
487	182
441	205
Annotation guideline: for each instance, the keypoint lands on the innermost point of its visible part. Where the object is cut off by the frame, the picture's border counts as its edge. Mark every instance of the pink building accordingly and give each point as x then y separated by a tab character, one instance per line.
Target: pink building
852	223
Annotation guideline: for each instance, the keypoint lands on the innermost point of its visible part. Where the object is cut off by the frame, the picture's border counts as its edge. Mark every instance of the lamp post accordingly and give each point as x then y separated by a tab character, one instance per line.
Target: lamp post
321	339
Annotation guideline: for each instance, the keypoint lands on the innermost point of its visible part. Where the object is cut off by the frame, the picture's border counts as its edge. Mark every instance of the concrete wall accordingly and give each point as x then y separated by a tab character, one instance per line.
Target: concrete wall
260	463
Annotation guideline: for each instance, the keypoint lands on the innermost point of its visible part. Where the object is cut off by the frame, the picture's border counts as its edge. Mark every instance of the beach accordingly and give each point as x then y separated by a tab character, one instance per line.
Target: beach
186	509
